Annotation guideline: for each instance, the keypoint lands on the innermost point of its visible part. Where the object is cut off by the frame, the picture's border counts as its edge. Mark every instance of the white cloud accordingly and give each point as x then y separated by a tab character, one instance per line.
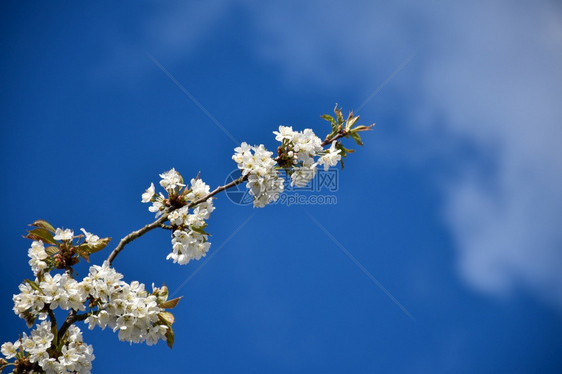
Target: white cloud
500	86
492	73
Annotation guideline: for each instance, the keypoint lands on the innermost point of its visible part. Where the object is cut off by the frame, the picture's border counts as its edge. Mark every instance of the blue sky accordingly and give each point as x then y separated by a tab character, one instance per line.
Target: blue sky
452	205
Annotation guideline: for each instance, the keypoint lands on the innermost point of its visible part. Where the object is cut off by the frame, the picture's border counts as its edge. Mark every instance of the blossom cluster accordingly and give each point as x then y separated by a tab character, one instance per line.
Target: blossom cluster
297	154
74	356
37	256
60	256
298	151
127	308
172	182
59	291
189	240
264	181
121	306
103	298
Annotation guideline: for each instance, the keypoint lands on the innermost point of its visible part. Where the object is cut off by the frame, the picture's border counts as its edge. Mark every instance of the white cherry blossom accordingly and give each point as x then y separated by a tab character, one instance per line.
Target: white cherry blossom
61	234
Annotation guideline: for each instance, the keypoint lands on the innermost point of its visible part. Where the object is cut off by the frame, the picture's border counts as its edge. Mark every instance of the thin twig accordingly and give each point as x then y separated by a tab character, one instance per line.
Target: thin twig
339	135
136	234
160	222
218	190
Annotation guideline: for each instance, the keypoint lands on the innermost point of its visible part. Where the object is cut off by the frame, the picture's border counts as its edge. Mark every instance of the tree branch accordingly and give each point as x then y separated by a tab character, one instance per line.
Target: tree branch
339	135
160	222
70	319
73	317
218	190
136	234
51	316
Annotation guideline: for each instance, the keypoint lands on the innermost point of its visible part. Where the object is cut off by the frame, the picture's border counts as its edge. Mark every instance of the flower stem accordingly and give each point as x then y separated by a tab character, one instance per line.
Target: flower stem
135	235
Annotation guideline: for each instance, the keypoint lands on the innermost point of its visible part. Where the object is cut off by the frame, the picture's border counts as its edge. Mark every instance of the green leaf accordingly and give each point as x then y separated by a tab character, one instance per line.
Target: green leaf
167	318
34	285
344	151
350	121
332	121
170	304
43	224
82	252
29	318
51	251
199	230
41	234
90	248
170	337
356	137
339	115
100	244
363	128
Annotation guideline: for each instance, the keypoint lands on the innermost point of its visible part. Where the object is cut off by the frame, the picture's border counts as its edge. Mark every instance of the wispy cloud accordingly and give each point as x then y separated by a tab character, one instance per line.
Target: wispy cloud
497	86
491	74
